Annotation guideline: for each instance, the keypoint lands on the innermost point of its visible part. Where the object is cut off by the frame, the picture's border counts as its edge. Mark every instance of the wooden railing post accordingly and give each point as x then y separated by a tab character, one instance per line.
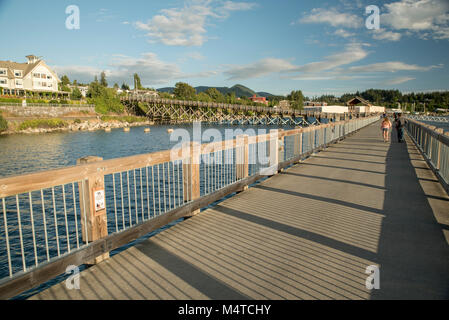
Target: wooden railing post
440	131
93	207
273	154
281	149
297	144
191	174
242	158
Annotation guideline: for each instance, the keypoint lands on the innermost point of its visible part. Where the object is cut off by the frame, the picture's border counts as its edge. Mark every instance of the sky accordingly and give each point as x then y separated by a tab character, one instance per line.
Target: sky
319	47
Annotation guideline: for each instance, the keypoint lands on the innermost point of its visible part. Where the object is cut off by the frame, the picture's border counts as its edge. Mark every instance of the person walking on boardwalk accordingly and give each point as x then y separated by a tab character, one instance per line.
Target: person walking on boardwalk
399	124
385	127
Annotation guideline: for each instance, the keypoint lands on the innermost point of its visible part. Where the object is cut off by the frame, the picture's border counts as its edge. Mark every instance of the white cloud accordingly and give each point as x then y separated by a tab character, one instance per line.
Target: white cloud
150	68
391	66
343	33
236	6
83	74
398	80
382	34
427	18
352	53
104	15
195	56
187	26
332	17
259	68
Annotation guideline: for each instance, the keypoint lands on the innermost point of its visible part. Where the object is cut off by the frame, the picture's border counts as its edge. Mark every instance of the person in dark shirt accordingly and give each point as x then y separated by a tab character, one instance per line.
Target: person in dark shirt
399	124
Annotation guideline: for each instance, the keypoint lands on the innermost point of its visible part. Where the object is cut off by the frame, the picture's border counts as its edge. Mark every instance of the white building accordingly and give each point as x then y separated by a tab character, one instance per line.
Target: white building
32	78
82	89
327	109
369	109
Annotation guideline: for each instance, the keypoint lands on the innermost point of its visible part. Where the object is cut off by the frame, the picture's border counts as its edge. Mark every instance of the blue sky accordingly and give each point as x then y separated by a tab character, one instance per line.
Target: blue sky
319	47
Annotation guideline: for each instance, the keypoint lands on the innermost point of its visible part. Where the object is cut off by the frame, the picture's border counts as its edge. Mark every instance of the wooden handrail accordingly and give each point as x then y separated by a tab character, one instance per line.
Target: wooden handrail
10	186
432	130
94	172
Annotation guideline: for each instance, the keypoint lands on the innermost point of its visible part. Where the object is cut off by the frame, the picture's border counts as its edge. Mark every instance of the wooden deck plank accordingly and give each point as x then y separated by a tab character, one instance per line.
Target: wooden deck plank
307	233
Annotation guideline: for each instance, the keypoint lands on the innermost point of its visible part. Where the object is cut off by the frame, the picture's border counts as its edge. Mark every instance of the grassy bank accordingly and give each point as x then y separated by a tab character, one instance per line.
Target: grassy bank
43	101
43	124
3	123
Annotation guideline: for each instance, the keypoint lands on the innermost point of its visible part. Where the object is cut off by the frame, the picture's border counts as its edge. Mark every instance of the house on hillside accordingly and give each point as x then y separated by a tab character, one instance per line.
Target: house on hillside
257	99
82	89
33	78
284	104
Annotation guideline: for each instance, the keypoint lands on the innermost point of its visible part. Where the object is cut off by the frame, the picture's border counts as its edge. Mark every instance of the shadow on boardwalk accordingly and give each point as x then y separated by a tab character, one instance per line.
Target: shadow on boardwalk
308	233
413	252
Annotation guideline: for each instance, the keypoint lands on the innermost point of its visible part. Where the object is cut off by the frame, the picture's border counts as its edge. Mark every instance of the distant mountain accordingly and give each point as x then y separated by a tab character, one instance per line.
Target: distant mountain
264	94
239	91
166	89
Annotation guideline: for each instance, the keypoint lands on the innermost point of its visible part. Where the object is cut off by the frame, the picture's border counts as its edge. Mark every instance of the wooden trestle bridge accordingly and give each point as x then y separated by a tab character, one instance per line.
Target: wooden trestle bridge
179	111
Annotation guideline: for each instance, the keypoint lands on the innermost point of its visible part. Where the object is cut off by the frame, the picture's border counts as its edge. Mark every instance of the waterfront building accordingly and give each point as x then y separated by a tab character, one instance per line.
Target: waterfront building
361	105
327	109
257	99
315	104
33	78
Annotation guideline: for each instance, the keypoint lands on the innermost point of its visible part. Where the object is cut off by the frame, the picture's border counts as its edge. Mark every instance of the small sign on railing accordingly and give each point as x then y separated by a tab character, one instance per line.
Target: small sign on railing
99	200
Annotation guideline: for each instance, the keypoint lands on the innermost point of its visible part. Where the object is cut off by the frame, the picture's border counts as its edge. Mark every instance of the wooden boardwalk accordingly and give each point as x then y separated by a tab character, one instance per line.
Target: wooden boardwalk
308	233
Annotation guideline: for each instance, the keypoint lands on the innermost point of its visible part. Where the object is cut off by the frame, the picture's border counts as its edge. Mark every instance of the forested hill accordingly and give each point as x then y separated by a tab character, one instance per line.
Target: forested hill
239	91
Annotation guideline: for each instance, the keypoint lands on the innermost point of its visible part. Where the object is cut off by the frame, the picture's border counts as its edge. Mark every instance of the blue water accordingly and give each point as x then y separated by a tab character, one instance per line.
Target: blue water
26	153
443	125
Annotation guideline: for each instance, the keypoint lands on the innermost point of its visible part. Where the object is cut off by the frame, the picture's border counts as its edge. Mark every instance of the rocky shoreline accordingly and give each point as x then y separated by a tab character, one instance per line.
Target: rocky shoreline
89	125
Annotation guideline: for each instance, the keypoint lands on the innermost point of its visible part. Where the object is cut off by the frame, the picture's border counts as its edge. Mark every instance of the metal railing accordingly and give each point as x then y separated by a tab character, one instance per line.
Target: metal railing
52	219
428	118
433	142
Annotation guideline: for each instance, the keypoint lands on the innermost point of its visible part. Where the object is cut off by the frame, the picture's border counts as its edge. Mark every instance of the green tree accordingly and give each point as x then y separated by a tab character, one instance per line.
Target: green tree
104	99
137	83
164	95
231	98
116	86
202	96
125	86
65	83
215	95
296	99
103	81
76	94
184	91
95	90
65	80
